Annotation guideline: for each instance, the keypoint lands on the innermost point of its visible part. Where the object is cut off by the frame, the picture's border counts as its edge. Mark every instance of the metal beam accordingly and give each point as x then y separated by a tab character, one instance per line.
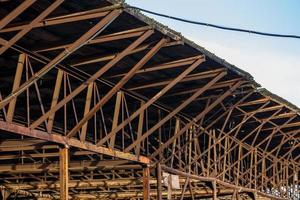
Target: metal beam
136	32
17	11
74	166
86	110
212	179
159	181
146	183
191	77
197	118
55	97
176	110
103	58
17	129
153	99
73	17
94	31
118	86
27	28
116	116
96	75
16	84
162	66
64	173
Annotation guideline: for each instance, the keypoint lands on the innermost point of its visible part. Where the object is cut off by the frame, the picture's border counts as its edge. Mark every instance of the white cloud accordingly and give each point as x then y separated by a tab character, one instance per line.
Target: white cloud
279	73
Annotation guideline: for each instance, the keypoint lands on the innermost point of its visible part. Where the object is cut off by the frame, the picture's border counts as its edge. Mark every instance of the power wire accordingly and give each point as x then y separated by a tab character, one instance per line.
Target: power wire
214	25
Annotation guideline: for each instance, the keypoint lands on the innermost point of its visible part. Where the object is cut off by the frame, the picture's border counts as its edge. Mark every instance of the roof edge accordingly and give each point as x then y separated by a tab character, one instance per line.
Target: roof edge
178	36
279	100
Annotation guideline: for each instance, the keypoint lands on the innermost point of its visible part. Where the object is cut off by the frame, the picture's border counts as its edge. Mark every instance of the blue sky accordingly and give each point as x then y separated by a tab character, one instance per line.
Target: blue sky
273	62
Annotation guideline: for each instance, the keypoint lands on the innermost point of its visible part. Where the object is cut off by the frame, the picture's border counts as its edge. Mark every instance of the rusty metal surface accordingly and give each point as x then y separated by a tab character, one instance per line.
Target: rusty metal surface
102	101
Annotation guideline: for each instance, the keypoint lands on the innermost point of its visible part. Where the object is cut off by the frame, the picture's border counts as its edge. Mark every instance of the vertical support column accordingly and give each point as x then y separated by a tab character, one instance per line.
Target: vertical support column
64	172
263	173
140	131
177	127
255	169
214	190
237	197
4	193
286	178
146	183
88	100
251	169
55	97
295	180
16	85
116	117
159	183
239	165
208	154
225	157
215	152
169	196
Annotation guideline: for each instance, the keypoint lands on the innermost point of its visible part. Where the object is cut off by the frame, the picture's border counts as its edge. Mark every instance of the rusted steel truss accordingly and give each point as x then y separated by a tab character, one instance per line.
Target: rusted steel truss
98	102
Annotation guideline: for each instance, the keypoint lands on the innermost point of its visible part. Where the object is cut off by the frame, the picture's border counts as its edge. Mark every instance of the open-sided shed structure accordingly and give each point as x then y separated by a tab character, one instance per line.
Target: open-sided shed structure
97	101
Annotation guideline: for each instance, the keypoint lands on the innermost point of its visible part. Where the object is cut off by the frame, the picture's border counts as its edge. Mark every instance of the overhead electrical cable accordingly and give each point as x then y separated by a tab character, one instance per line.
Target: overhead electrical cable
214	25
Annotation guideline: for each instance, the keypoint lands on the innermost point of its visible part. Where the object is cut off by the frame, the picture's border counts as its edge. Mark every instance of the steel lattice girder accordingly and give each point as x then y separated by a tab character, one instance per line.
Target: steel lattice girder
108	94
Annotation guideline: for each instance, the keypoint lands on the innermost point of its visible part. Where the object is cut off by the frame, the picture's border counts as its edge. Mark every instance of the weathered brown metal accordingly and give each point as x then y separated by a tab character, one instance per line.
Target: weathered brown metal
70	142
88	100
17	11
27	28
88	183
109	57
197	118
116	116
211	179
17	80
77	44
64	173
93	78
175	111
146	183
67	130
153	99
73	17
105	38
74	166
55	97
159	181
192	77
164	66
120	84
